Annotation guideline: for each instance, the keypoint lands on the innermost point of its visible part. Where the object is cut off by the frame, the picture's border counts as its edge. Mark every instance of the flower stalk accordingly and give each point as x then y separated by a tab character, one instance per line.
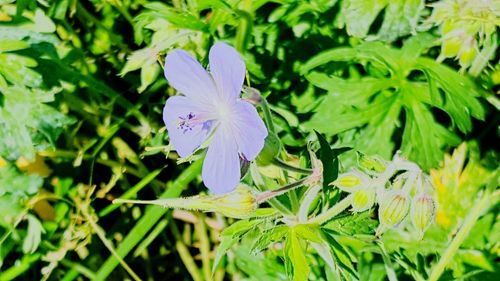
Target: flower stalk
338	208
470	221
282	164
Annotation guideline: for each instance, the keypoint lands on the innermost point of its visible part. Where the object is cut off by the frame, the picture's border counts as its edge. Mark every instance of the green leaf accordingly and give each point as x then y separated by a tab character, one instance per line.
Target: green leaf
29	36
360	223
269	236
475	258
328	157
180	19
230	236
368	109
9	203
16	69
27	123
423	137
400	17
16	184
296	264
340	253
149	73
460	93
259	266
359	15
308	232
9	45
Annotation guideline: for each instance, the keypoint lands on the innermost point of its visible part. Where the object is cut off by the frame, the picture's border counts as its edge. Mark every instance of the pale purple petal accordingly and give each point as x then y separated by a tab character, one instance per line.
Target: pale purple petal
227	69
221	167
250	130
188	77
184	140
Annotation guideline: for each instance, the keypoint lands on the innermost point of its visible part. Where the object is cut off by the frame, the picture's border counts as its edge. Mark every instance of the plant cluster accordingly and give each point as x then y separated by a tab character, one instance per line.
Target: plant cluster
249	140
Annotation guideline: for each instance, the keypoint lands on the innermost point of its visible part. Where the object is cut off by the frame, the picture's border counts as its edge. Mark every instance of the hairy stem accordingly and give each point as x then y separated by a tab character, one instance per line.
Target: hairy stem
333	211
282	164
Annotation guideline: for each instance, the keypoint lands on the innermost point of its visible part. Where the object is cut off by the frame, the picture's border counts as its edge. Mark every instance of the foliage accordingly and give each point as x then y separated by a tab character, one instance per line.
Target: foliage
398	80
344	86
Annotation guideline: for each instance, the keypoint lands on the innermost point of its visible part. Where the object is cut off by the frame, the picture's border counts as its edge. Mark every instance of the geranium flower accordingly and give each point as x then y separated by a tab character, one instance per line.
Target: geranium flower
210	108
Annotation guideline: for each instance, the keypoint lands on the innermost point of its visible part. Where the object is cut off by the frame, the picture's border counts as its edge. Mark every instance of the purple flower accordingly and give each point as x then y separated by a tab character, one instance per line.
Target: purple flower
210	108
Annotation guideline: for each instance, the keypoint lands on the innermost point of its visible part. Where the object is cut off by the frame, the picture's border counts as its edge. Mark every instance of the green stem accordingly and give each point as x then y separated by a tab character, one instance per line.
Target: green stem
183	252
79	268
333	211
261	186
19	268
102	235
470	221
169	203
123	12
245	28
282	164
268	118
132	191
201	229
389	268
265	196
151	237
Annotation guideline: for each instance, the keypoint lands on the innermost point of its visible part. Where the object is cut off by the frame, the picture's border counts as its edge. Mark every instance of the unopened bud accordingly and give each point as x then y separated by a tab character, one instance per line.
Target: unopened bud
350	181
371	164
363	199
393	209
271	149
468	52
422	213
452	42
240	203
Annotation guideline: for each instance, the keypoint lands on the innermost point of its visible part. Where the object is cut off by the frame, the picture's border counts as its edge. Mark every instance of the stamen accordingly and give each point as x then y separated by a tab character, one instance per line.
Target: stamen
191	120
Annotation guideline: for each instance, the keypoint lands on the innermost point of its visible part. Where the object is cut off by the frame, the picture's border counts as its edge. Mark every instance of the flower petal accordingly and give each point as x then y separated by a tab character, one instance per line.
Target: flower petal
188	77
227	69
250	130
184	141
221	167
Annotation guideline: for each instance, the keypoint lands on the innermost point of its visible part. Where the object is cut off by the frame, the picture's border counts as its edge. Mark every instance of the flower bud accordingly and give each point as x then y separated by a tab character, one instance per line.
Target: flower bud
468	52
393	209
363	199
451	46
372	164
240	203
350	181
272	147
422	213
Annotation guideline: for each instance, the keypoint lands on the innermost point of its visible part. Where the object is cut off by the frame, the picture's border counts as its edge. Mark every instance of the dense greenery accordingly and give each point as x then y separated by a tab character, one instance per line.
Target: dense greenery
363	85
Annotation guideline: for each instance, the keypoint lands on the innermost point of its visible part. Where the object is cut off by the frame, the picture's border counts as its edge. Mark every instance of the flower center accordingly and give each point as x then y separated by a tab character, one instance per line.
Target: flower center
188	122
223	113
